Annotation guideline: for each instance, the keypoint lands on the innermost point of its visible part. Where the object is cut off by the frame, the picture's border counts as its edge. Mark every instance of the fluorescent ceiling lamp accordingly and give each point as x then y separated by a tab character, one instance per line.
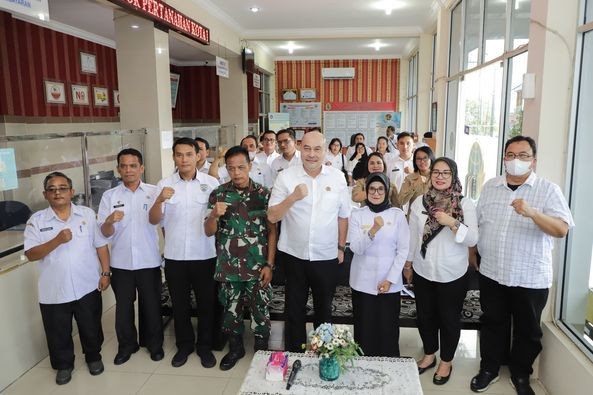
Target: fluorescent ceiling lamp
378	45
254	9
389	5
291	46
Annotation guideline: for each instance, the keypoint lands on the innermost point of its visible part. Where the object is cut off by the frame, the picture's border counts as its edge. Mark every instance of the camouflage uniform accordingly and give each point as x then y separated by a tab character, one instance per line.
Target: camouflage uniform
242	250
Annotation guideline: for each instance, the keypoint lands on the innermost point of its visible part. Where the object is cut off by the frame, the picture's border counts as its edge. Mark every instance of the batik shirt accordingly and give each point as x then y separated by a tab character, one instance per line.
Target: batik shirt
242	235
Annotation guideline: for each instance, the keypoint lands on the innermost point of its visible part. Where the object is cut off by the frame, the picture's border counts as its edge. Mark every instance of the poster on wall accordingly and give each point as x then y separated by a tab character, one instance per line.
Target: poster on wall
55	92
343	124
101	96
116	101
37	9
174	88
303	115
80	95
278	120
8	177
88	63
222	67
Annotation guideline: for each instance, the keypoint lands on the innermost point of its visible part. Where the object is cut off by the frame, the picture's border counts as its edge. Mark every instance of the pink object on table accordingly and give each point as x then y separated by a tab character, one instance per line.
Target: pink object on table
277	366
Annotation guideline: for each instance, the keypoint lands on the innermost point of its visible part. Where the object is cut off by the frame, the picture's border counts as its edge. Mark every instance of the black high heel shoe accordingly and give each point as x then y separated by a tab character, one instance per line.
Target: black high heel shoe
440	380
424	369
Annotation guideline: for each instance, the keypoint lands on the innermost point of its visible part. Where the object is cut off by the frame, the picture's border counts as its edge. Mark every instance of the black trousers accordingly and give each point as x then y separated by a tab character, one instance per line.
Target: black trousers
57	322
524	306
376	323
320	276
439	308
147	283
182	277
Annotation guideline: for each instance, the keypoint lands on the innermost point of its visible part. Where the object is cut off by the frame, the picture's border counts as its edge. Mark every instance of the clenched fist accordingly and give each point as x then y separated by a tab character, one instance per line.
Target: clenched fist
300	191
408	170
378	222
115	216
219	209
166	193
64	236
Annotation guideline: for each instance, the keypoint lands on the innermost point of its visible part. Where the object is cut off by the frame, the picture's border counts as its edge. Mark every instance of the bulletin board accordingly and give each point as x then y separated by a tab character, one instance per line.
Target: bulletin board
303	115
342	124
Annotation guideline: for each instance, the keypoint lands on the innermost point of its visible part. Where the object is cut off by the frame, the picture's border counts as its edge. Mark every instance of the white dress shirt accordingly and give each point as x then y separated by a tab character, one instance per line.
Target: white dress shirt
395	170
71	271
261	173
135	243
310	227
336	161
262	157
383	257
280	163
446	254
515	251
205	167
184	215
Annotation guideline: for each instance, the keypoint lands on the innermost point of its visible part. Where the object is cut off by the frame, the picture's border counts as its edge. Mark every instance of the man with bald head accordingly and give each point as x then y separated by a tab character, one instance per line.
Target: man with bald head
313	203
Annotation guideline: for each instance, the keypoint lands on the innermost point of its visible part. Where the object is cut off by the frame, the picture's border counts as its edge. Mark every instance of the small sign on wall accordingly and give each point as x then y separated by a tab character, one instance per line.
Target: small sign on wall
88	63
116	102
55	92
256	81
101	96
80	95
222	67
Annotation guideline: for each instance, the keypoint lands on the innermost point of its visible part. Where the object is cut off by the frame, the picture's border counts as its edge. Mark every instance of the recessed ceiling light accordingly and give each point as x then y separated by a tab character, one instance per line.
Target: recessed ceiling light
254	9
378	45
389	5
135	27
291	47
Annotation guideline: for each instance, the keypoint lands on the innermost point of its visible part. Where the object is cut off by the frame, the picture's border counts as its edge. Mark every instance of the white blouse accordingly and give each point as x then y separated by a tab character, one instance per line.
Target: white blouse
446	254
336	160
383	257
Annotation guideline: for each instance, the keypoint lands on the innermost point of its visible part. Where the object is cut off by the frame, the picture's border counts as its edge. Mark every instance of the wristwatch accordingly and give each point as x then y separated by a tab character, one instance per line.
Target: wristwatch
272	267
456	225
342	248
105	274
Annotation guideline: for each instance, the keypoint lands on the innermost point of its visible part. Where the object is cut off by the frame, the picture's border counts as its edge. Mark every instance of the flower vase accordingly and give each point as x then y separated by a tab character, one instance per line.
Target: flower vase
329	369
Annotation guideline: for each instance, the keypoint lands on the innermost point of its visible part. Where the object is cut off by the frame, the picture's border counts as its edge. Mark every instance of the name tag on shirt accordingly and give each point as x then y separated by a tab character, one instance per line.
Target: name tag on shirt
395	169
118	205
46	229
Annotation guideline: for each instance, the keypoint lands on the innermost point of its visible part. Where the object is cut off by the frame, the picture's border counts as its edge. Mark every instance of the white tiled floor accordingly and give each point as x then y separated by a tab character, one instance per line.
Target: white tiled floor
140	375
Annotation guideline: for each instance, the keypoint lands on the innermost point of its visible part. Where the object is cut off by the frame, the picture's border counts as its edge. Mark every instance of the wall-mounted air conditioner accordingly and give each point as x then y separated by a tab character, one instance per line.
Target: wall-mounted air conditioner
337	73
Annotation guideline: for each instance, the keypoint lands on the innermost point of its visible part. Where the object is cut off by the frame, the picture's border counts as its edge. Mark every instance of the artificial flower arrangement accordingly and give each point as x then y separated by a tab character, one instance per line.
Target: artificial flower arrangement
335	341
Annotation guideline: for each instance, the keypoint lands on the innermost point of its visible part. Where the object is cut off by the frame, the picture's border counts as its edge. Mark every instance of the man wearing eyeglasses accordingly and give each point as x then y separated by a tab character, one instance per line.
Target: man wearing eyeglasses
268	153
73	271
290	156
519	215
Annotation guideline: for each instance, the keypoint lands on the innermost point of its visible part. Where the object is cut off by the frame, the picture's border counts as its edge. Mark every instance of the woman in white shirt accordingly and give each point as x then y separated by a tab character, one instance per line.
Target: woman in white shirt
443	225
379	239
334	156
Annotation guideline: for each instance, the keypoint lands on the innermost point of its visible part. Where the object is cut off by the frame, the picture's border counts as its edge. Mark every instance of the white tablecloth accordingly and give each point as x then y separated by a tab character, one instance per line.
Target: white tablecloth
369	375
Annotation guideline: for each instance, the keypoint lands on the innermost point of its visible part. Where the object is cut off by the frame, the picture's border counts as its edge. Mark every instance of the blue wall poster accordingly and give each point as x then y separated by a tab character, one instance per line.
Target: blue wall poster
8	178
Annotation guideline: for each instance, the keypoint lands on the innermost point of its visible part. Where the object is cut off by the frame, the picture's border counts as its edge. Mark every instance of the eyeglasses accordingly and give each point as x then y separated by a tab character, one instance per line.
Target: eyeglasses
425	159
445	175
378	191
60	189
522	155
269	140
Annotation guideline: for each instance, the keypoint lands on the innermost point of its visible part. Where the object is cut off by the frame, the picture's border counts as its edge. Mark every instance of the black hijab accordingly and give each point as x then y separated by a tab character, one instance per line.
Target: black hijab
382	178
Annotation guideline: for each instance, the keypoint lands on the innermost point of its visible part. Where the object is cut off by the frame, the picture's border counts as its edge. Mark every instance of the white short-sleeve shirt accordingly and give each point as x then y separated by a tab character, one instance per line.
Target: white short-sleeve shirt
262	157
446	257
72	270
135	243
279	164
184	215
310	227
338	161
383	257
395	170
515	251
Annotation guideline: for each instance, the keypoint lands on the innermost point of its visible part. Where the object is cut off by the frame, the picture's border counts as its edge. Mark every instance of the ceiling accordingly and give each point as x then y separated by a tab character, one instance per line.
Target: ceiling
314	28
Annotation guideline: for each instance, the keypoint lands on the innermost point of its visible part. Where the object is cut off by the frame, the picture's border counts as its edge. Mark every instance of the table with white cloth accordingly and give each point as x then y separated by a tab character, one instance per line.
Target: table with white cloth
368	375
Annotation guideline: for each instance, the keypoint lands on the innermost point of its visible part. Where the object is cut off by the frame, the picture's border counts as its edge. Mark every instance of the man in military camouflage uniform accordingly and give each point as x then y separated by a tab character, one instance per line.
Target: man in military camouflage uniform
246	247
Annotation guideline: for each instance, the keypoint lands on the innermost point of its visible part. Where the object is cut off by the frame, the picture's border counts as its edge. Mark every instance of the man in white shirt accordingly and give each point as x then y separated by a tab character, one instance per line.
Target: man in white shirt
135	259
313	203
260	172
519	215
290	156
203	153
403	165
190	255
391	138
268	141
73	271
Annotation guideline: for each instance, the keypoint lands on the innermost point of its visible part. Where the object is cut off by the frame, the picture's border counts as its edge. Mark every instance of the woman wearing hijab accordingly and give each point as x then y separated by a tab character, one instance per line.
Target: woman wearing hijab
443	225
379	239
418	182
374	164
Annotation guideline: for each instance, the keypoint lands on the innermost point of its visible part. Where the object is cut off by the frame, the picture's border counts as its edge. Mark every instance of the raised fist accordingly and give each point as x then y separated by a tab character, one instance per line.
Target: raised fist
64	236
300	191
166	193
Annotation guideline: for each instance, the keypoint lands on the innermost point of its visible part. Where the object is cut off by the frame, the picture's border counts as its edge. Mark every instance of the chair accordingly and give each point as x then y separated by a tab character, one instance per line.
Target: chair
13	213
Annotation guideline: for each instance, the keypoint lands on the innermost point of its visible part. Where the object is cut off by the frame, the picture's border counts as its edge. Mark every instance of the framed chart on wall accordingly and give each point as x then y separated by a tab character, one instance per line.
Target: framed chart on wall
303	115
101	96
308	94
80	95
88	63
55	92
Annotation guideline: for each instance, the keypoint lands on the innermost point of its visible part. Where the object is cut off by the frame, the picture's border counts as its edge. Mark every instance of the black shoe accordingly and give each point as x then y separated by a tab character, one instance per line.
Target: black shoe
157	355
63	376
96	367
236	352
424	369
179	359
482	381
260	343
521	385
122	357
440	380
207	358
